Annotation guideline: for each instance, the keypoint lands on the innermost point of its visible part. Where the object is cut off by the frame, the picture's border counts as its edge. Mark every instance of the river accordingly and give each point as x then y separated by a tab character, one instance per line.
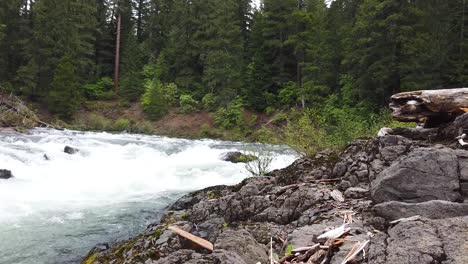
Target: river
58	206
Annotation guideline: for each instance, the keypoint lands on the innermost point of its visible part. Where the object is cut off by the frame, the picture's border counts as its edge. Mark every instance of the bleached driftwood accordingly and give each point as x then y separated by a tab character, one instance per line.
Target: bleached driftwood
358	247
335	233
337	196
197	240
430	107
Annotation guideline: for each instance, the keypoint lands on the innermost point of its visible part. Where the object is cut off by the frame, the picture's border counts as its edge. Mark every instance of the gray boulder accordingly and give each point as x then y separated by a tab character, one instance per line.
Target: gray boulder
425	174
5	174
243	244
423	241
70	150
432	209
238	157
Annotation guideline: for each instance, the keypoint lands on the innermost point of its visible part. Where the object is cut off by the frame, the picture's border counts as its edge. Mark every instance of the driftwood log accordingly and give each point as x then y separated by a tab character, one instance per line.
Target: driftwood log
430	108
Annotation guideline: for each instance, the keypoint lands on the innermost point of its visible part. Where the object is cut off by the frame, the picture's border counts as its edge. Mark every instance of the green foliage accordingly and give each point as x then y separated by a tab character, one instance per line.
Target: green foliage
209	102
97	90
144	127
288	95
280	119
230	116
98	122
289	249
64	95
270	110
188	104
122	125
153	101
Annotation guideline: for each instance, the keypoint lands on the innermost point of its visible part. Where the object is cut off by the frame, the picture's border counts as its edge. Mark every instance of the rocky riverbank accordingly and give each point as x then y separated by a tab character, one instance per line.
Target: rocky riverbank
383	179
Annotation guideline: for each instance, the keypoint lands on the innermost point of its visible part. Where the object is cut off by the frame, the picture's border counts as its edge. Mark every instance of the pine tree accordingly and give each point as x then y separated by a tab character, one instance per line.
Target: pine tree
64	95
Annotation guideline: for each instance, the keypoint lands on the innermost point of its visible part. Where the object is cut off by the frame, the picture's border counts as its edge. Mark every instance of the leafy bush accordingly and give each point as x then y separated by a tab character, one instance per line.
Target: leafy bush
98	123
270	110
209	102
288	95
188	104
142	128
280	119
230	116
99	90
122	125
153	101
171	93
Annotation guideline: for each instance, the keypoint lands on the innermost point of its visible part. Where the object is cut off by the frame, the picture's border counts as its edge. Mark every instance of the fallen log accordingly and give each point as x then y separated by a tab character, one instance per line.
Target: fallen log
430	107
197	240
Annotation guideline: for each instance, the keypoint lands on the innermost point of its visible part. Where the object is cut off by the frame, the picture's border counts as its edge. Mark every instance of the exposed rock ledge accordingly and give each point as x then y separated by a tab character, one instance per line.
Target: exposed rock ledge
384	179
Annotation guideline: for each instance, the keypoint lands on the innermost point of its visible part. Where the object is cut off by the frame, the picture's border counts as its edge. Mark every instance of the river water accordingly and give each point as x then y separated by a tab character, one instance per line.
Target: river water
59	207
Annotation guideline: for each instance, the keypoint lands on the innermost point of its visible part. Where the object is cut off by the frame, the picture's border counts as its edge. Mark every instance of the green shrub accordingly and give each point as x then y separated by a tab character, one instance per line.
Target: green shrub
270	110
144	127
188	104
122	125
153	101
99	90
98	123
171	93
209	102
230	116
280	119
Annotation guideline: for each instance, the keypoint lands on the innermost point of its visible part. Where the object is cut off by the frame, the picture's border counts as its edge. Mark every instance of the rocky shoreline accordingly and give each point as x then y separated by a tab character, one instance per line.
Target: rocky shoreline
383	179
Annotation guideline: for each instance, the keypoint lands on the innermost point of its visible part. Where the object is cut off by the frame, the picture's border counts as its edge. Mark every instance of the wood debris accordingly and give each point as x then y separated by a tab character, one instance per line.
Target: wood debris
337	196
335	233
409	219
197	240
357	248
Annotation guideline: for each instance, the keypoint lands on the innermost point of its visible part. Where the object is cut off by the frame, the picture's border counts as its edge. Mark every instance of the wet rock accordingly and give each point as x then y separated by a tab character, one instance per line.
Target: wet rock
5	174
431	209
356	193
339	170
70	150
413	179
243	244
238	157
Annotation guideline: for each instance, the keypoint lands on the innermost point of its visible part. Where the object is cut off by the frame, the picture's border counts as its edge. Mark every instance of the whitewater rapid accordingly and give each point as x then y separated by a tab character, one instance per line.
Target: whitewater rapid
59	205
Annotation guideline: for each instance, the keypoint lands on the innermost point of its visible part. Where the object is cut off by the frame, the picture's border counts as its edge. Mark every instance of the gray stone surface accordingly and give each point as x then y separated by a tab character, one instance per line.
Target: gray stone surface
435	209
424	174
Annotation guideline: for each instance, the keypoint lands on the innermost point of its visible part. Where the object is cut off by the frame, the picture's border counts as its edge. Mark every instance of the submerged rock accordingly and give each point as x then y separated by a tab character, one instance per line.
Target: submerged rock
70	150
5	174
238	157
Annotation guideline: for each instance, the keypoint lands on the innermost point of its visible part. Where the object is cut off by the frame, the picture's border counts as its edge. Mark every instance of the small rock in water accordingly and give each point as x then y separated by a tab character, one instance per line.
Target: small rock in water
46	157
238	157
70	150
5	174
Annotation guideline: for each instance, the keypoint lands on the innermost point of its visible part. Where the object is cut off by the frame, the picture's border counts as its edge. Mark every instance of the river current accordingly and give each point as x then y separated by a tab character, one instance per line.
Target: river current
58	206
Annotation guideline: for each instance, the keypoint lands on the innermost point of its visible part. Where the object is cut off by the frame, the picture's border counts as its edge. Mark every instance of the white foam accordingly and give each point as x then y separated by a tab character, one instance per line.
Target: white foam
109	169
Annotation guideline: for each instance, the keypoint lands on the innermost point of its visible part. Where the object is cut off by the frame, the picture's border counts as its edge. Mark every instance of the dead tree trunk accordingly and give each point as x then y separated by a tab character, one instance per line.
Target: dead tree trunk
430	107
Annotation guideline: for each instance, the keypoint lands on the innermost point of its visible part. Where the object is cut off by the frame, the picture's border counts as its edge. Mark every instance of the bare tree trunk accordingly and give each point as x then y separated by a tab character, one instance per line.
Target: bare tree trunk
117	57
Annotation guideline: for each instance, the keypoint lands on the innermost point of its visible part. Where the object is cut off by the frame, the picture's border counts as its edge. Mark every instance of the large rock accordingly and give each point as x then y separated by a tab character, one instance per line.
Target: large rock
431	209
70	150
243	244
238	157
425	174
5	174
424	242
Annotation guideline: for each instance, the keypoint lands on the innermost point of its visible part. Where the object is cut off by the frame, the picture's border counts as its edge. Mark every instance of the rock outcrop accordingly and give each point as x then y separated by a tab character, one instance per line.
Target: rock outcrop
70	150
382	179
238	157
5	174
